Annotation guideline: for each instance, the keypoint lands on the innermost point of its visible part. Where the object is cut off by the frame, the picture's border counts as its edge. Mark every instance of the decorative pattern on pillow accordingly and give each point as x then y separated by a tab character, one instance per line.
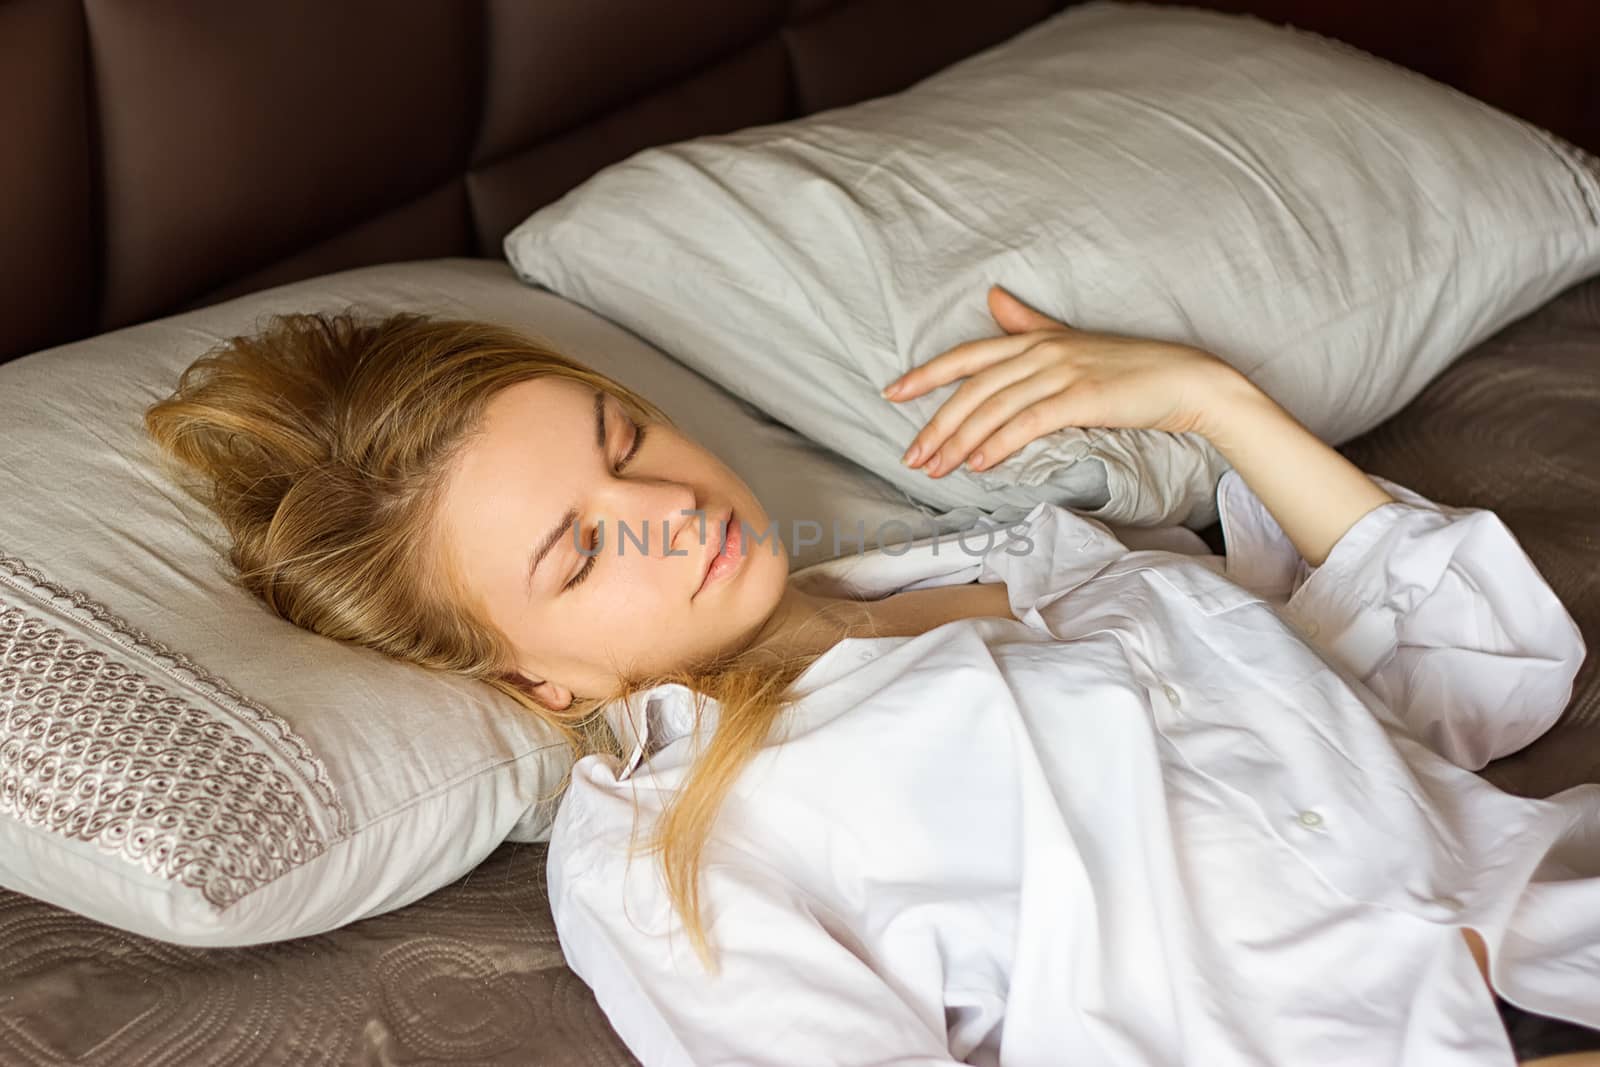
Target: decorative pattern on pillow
110	737
139	788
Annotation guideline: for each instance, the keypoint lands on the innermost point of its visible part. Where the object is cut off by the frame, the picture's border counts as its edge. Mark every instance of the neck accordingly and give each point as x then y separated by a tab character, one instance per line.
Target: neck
809	624
805	624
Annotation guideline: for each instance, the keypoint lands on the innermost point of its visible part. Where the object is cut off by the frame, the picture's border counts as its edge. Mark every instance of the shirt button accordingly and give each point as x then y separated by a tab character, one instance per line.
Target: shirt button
1170	693
1311	629
1310	819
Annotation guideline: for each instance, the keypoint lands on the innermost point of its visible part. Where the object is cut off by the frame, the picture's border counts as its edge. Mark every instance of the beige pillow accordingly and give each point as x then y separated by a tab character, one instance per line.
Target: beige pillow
178	762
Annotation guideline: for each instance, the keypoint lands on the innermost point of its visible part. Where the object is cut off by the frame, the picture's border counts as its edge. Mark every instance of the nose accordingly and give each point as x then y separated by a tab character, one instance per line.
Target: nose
658	514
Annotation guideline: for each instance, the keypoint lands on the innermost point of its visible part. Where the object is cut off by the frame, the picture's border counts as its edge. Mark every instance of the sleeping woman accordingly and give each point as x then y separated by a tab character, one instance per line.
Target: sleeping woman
1037	796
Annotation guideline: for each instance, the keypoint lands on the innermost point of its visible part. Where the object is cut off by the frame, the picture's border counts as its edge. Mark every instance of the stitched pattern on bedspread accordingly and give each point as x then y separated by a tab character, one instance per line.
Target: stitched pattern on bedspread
110	737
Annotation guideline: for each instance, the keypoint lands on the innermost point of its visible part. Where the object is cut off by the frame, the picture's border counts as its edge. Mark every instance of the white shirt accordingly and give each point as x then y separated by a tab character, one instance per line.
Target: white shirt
1185	811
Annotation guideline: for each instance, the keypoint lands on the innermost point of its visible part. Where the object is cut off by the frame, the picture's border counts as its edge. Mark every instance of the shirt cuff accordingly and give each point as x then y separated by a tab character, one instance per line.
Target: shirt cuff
1342	606
1347	606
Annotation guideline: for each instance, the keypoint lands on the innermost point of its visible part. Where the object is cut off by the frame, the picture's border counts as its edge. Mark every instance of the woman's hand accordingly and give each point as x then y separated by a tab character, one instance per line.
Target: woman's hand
1044	375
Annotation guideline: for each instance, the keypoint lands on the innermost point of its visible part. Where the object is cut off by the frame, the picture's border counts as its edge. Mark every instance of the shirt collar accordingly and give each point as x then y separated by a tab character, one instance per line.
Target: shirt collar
1066	549
651	719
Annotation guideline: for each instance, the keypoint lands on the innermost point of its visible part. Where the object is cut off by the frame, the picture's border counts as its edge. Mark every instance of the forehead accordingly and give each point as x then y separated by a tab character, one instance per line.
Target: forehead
511	482
519	472
526	405
530	433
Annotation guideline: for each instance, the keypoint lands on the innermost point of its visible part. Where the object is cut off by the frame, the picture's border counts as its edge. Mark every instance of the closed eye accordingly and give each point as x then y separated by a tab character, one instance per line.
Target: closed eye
633	449
590	543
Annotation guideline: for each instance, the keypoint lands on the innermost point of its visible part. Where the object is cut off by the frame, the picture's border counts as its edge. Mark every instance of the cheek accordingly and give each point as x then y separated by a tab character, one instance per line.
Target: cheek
644	590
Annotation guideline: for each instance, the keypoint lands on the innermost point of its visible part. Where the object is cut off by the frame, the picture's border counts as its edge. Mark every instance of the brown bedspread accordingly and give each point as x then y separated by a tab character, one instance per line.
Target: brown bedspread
473	974
1514	425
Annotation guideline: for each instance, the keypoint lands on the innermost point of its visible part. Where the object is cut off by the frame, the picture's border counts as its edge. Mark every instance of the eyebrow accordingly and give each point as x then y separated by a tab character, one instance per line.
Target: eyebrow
550	539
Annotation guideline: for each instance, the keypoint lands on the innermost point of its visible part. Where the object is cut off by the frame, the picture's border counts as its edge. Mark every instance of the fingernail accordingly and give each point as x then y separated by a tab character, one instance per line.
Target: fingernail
913	454
890	390
932	469
976	462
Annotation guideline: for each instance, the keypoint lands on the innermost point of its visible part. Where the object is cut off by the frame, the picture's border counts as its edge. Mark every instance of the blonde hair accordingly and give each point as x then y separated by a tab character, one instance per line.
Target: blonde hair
323	443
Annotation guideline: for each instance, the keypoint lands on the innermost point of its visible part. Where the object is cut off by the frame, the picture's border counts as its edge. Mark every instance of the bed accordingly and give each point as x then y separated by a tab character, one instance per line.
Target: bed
429	129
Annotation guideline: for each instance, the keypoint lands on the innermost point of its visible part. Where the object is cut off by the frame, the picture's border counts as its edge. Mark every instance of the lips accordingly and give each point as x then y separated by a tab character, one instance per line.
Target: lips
718	537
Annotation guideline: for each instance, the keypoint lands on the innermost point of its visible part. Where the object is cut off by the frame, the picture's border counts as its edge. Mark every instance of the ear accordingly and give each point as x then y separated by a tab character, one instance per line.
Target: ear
1013	316
552	695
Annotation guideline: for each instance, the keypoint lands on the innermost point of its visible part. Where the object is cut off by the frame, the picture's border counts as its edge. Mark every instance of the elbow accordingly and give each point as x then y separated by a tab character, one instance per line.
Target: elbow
1538	702
1474	707
1552	683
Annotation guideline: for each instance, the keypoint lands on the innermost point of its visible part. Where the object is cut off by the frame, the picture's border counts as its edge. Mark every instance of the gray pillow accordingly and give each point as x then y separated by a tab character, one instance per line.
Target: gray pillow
1338	227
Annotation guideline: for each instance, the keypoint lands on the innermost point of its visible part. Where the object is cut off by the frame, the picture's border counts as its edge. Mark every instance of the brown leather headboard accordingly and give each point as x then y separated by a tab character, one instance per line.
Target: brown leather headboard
161	154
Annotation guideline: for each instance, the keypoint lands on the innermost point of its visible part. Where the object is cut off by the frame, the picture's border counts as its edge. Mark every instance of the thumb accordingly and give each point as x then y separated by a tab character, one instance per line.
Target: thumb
1014	316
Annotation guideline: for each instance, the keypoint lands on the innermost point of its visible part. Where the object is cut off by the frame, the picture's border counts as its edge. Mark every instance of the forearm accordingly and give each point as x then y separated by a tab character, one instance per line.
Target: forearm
1313	492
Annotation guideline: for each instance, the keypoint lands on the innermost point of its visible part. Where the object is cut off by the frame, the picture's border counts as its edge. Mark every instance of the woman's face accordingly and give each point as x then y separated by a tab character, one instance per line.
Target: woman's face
587	540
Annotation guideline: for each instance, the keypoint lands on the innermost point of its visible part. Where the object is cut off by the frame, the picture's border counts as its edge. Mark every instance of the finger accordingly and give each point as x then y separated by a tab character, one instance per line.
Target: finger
962	361
959	405
1072	408
991	415
1014	316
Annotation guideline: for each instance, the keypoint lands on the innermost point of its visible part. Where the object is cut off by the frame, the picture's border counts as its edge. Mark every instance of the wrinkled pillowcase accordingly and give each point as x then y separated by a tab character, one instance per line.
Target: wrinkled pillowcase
1337	227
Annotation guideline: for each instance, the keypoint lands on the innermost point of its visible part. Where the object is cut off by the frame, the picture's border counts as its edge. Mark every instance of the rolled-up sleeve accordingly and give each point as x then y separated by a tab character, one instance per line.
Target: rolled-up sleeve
1437	609
789	991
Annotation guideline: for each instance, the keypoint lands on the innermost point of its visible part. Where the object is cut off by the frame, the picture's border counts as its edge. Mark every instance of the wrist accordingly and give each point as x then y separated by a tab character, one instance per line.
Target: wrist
1228	402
